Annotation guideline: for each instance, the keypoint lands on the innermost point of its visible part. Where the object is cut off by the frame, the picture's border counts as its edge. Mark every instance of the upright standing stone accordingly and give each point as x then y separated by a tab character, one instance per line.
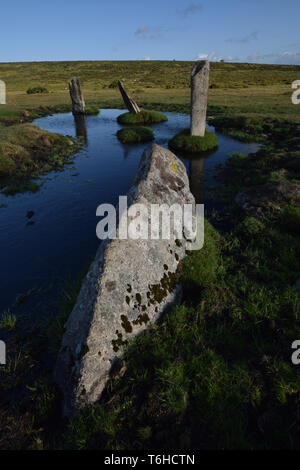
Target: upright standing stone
78	104
2	92
199	91
129	103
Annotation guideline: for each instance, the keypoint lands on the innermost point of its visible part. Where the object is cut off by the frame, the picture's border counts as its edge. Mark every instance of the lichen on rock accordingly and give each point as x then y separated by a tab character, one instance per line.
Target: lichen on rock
130	284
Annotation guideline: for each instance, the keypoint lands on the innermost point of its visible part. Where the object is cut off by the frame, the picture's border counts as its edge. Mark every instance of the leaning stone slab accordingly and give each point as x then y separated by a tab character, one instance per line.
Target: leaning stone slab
129	103
128	287
199	92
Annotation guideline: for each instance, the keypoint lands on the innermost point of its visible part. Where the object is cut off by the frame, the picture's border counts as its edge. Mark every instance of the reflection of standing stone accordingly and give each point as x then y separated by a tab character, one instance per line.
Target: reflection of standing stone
78	104
80	125
196	179
129	103
199	91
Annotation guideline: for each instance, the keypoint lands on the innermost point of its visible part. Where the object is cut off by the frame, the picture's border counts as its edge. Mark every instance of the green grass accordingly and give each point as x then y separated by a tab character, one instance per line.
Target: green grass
20	186
92	110
27	151
36	89
131	135
8	320
216	371
144	117
190	144
152	74
244	89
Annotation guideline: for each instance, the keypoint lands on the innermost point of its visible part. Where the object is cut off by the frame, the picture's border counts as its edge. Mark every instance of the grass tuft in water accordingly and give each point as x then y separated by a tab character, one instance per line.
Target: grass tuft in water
186	143
132	135
144	117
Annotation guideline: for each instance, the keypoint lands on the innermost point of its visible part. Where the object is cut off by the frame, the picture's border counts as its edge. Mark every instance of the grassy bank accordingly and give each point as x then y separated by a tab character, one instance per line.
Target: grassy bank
26	151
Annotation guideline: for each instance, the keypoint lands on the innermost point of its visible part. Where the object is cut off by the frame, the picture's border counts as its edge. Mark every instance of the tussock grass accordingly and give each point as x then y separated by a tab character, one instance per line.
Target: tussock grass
131	135
27	151
190	144
92	110
8	320
36	89
144	117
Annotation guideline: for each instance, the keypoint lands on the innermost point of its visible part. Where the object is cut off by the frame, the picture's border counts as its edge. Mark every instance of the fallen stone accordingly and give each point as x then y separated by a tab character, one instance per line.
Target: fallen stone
130	284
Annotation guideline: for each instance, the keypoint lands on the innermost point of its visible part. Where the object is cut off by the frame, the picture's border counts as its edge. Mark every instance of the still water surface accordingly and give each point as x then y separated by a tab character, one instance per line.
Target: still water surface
40	255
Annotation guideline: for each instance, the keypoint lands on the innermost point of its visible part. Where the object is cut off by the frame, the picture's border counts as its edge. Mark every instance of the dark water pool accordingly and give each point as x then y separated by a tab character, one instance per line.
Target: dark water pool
40	255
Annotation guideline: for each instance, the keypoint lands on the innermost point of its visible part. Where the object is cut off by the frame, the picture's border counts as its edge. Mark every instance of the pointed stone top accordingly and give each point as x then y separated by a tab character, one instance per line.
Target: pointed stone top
199	65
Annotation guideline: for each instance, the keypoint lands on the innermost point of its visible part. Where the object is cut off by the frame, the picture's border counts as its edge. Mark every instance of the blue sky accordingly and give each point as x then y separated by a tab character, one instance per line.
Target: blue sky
262	31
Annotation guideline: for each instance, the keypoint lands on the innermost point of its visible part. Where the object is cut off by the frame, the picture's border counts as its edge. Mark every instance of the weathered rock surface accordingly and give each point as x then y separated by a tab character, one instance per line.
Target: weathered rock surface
264	198
129	103
199	92
2	92
78	104
129	285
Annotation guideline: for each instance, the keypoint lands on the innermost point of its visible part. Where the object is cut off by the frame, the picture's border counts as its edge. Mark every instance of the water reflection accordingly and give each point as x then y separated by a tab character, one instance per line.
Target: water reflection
63	236
196	167
196	173
80	126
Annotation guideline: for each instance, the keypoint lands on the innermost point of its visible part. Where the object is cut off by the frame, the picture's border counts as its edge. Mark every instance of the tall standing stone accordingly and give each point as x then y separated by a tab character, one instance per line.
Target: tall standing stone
199	91
78	104
129	103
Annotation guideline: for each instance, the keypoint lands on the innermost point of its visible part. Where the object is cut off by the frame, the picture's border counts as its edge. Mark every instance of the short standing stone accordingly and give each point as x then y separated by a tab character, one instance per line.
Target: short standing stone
199	92
129	285
78	104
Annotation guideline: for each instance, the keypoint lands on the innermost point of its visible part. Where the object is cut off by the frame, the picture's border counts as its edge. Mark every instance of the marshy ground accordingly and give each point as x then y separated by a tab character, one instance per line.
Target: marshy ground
216	372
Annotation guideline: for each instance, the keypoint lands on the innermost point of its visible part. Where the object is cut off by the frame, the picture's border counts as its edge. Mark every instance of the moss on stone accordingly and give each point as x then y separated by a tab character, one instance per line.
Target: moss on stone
167	284
117	343
142	318
126	324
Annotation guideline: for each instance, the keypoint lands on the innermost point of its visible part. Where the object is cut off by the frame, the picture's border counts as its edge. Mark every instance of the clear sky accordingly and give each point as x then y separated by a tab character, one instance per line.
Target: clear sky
262	31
